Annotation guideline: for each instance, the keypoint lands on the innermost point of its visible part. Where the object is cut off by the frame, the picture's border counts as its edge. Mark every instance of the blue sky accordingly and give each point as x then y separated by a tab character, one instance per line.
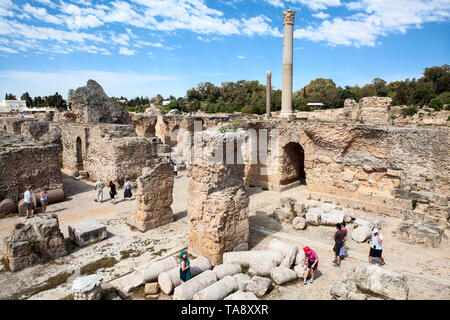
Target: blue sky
145	47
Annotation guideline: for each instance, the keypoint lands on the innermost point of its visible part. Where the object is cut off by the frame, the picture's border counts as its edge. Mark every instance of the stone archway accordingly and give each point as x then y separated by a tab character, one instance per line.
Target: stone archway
293	164
79	151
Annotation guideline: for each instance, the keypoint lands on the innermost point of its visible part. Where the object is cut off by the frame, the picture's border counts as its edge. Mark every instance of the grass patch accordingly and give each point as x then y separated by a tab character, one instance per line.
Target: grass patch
245	269
105	262
51	283
126	253
428	179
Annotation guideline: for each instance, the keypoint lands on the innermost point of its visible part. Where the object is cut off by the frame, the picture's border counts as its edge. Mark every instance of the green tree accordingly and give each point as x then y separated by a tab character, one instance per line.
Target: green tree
10	96
28	99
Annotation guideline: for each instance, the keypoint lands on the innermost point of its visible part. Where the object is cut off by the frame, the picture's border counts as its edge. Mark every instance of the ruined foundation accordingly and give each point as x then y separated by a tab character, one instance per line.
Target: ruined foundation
217	202
154	198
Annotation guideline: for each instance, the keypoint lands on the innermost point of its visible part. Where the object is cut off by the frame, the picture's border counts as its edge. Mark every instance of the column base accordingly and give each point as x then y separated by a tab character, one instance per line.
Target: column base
286	115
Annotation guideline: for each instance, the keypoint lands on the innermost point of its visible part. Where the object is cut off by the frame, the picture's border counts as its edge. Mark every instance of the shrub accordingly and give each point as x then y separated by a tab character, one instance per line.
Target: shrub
410	111
436	104
247	109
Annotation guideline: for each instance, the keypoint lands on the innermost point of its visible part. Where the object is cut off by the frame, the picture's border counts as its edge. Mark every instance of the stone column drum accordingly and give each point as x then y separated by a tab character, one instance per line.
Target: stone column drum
268	92
154	198
286	95
217	201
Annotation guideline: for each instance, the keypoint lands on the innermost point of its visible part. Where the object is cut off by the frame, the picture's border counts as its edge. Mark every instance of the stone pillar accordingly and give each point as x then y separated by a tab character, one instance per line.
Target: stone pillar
217	200
286	97
154	198
268	92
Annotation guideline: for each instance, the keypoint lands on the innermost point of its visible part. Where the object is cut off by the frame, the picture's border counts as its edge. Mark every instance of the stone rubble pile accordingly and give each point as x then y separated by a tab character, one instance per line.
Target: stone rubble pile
368	281
420	232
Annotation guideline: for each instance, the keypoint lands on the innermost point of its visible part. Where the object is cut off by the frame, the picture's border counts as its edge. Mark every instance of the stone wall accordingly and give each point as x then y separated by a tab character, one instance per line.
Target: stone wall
26	162
401	171
37	241
153	198
90	104
217	202
112	152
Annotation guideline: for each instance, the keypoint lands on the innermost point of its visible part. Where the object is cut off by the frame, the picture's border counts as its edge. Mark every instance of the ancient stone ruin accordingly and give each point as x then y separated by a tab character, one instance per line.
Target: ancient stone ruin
217	202
90	104
154	197
37	241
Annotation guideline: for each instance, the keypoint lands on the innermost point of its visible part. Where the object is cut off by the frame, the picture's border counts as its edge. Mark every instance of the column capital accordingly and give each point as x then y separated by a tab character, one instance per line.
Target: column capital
269	73
288	16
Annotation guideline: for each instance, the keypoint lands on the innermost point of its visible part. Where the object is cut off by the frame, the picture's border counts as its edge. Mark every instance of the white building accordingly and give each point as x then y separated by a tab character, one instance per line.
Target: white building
12	105
316	105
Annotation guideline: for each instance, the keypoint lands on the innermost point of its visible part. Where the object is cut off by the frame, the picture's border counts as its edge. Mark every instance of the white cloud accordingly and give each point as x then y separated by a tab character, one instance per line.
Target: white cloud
312	4
42	14
127	52
8	50
276	3
240	57
377	18
259	26
321	15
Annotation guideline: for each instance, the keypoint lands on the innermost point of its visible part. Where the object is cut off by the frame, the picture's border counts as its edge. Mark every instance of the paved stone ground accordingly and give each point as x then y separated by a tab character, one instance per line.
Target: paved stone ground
427	269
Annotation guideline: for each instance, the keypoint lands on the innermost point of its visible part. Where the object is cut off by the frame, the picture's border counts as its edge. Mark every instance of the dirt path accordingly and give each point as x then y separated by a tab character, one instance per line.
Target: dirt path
427	269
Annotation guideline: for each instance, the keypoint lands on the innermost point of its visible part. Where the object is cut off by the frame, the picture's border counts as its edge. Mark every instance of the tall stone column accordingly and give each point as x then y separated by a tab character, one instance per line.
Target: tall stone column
217	201
286	97
268	92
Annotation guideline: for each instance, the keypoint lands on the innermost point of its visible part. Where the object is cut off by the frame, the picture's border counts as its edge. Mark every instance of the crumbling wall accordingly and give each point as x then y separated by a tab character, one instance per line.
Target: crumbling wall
90	104
217	200
25	162
37	241
153	198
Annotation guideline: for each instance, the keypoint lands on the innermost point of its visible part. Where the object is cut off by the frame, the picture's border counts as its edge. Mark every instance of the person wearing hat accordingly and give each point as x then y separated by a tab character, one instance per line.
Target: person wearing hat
313	261
185	267
376	248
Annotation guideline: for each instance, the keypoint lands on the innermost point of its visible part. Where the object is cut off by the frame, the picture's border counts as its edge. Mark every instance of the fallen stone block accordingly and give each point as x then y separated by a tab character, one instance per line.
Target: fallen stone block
313	216
421	232
300	256
331	217
299	223
259	286
241	279
187	290
381	281
284	214
300	270
253	257
289	252
361	233
262	268
151	271
282	275
218	290
87	232
169	280
8	206
239	295
363	220
227	269
37	241
152	296
88	287
55	195
151	288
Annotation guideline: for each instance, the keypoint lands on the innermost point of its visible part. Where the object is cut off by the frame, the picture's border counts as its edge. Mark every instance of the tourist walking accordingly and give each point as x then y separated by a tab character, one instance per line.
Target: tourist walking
169	159
127	194
342	251
99	190
311	264
44	199
175	170
112	191
376	247
339	237
185	267
28	199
